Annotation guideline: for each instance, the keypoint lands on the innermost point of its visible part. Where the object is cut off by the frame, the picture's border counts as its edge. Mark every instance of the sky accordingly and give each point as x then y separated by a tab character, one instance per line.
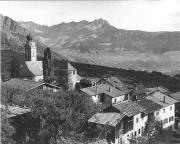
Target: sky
147	15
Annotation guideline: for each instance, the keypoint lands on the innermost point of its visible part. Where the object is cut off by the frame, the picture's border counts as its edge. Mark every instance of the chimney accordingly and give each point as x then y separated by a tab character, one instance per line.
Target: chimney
109	89
164	99
96	89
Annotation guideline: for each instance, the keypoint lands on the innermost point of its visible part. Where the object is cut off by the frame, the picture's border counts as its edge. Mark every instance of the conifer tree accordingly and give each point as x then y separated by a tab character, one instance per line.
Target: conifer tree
47	64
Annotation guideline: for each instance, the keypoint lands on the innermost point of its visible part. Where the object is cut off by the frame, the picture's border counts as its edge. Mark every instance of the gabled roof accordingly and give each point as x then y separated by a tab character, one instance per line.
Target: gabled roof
22	84
104	88
95	89
129	108
13	111
35	67
159	88
25	84
176	96
159	97
111	119
115	92
70	67
114	81
149	105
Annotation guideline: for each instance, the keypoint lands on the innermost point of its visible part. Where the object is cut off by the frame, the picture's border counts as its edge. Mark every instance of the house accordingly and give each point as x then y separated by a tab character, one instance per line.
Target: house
128	118
112	81
158	88
105	93
136	115
30	68
176	96
166	115
27	85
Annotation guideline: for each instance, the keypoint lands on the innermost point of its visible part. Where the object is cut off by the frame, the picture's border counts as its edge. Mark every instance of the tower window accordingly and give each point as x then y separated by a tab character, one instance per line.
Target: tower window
73	72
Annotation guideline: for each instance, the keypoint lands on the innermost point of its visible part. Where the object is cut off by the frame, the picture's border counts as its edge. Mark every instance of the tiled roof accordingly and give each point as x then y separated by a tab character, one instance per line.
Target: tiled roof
110	119
115	92
176	96
161	89
26	85
35	67
92	90
15	110
104	88
114	81
158	98
129	108
149	105
22	84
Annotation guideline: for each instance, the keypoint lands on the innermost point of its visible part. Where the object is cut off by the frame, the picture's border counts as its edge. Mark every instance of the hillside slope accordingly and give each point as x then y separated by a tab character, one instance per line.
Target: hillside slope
98	42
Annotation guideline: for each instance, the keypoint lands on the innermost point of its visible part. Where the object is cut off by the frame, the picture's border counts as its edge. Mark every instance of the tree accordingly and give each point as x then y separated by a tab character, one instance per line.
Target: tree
47	64
151	134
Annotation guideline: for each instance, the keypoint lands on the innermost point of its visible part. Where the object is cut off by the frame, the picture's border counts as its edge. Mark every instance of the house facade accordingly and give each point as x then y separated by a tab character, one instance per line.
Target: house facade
137	113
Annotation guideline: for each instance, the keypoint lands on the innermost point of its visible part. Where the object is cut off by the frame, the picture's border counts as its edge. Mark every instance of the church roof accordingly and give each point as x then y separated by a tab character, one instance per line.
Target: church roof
35	67
70	67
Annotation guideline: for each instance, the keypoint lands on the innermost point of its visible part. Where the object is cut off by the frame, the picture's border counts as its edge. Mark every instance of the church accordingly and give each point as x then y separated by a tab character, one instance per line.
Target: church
31	68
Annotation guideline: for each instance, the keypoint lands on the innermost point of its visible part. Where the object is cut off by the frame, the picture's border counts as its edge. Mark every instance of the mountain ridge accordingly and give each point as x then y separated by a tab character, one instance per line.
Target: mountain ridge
98	42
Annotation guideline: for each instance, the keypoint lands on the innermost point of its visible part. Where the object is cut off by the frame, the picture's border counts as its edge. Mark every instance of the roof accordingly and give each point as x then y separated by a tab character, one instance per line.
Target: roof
104	88
115	92
158	98
22	84
25	84
161	89
70	67
140	89
129	108
35	67
149	105
15	110
95	89
110	119
114	81
93	79
176	96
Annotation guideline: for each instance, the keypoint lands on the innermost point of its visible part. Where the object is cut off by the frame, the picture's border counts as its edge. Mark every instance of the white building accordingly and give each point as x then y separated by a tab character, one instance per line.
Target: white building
136	115
167	112
31	68
105	93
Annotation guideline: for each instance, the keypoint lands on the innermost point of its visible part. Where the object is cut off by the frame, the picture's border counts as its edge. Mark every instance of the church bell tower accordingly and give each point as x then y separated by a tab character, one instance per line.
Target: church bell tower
30	49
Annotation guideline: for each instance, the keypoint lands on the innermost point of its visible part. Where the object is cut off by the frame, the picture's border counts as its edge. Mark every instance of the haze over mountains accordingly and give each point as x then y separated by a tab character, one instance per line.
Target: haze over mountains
98	42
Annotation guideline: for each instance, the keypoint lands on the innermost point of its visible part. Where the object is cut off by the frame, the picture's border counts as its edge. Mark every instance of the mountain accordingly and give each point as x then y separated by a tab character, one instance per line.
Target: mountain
98	42
13	37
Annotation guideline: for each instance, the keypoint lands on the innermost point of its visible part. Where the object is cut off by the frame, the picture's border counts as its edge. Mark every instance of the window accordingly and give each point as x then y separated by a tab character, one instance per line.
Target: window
139	131
126	97
171	119
127	135
170	108
157	113
114	100
135	133
73	72
163	110
137	119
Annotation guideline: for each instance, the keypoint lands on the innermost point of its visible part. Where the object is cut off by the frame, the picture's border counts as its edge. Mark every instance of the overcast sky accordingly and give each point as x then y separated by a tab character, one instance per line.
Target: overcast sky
148	15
